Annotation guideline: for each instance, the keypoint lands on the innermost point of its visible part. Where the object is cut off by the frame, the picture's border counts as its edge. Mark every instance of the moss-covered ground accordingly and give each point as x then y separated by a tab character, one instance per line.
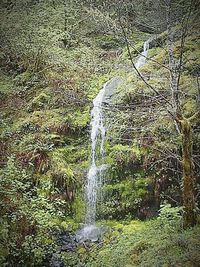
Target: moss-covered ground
48	79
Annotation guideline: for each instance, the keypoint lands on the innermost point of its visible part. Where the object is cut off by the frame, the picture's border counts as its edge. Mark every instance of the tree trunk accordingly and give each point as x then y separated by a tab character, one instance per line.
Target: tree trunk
189	216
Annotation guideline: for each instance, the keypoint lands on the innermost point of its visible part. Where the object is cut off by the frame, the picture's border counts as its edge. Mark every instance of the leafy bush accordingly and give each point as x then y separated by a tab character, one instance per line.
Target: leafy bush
27	219
161	242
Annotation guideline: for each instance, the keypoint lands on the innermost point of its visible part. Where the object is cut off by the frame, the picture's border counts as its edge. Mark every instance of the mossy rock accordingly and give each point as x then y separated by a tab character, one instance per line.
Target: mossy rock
39	101
108	42
154	52
23	79
158	40
6	85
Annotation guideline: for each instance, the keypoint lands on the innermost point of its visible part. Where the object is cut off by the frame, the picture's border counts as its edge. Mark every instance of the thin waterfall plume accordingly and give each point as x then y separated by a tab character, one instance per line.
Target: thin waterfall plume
142	59
97	132
97	136
97	167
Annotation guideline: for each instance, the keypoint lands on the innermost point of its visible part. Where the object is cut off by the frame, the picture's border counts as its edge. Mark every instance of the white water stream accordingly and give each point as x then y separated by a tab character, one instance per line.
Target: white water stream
142	59
97	137
97	167
97	133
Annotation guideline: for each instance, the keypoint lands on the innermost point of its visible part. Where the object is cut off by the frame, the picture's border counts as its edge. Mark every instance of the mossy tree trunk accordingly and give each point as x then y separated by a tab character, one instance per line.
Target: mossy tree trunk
185	124
189	216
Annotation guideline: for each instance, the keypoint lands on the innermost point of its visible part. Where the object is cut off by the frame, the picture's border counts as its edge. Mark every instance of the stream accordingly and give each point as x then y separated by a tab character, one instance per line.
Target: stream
97	168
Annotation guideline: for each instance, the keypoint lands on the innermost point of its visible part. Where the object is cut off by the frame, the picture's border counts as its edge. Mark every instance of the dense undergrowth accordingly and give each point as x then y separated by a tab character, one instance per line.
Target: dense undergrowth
160	242
54	59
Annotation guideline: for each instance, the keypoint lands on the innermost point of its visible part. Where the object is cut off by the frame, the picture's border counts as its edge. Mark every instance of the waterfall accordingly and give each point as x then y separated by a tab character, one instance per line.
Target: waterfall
97	137
93	177
142	59
97	167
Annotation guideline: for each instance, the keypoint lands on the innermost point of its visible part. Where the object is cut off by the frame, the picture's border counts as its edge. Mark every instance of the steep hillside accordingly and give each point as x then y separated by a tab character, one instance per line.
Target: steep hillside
144	147
55	56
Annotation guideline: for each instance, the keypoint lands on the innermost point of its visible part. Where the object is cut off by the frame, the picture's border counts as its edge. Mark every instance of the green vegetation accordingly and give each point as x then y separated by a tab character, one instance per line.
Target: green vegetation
55	56
161	242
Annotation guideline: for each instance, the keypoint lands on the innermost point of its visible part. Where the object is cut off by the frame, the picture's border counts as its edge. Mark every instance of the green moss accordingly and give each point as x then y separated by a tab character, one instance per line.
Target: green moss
137	38
159	40
123	196
60	129
154	52
152	243
189	107
23	78
60	164
71	154
79	209
81	118
39	101
55	121
97	84
108	42
160	57
6	84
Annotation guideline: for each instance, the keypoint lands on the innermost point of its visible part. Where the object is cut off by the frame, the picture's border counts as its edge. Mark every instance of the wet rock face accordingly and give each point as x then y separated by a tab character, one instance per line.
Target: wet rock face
66	243
144	28
90	233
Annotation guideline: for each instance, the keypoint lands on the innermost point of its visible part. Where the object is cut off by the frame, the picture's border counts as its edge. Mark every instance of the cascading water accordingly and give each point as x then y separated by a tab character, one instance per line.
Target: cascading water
97	136
142	59
95	173
97	132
